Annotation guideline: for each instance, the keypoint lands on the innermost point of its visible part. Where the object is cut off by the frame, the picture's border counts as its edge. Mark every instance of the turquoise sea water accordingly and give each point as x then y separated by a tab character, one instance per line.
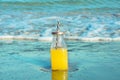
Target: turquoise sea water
80	18
29	60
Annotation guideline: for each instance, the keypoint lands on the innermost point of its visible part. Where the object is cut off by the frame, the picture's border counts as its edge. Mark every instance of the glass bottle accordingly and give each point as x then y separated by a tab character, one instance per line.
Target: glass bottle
59	55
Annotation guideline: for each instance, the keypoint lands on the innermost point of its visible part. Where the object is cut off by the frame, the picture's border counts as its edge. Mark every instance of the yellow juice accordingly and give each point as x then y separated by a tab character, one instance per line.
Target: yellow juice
59	59
59	75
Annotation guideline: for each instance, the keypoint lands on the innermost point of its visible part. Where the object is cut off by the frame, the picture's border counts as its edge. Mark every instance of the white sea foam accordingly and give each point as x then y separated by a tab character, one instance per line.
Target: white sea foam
118	22
95	39
74	23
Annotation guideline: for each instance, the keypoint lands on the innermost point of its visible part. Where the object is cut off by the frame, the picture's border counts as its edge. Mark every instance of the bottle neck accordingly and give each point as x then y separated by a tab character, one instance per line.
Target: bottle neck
58	42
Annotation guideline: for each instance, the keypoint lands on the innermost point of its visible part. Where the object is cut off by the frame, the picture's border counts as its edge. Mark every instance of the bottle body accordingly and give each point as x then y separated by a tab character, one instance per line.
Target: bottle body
59	75
59	59
59	54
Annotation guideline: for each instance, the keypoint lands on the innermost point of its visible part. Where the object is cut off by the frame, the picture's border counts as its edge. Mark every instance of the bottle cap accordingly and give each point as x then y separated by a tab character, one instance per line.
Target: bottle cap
57	32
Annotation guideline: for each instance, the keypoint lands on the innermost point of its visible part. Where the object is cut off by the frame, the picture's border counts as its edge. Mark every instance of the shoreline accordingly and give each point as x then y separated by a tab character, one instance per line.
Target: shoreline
96	39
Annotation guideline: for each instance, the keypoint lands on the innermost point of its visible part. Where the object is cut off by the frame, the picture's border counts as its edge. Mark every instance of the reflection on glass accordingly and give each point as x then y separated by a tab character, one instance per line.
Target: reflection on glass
60	75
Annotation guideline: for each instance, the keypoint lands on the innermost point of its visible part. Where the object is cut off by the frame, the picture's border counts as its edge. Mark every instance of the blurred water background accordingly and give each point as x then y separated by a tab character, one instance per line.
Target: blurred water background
80	18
